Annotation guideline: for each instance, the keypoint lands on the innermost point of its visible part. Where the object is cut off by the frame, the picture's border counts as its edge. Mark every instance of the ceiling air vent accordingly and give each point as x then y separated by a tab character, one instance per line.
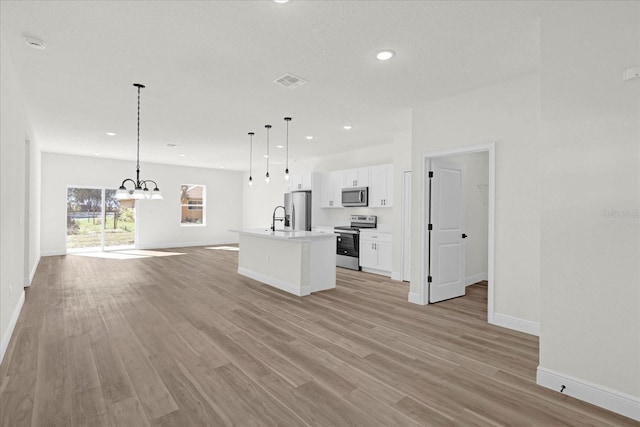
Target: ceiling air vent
290	81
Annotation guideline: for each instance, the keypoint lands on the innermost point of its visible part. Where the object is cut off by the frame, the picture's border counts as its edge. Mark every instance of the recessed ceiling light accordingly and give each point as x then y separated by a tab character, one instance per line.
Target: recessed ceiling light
96	154
34	42
347	127
385	55
309	137
181	155
221	167
281	1
279	146
111	133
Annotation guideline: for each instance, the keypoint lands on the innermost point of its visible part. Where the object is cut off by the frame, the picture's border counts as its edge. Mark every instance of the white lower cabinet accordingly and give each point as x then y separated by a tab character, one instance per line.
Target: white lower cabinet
375	252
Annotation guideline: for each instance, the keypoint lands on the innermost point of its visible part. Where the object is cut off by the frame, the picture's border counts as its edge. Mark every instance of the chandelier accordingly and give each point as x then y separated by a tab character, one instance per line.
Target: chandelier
140	190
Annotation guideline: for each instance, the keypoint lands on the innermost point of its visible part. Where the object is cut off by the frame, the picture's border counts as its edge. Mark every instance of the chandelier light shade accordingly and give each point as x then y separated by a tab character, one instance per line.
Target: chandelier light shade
266	177
140	190
250	157
286	171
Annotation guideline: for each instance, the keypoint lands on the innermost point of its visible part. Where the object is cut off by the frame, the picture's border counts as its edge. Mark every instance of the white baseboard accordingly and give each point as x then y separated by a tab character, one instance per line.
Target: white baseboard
521	325
187	244
475	278
32	273
12	324
376	271
614	401
415	298
55	252
157	246
396	276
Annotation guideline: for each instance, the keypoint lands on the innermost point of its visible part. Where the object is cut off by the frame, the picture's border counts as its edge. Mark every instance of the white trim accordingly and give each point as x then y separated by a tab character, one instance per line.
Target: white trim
292	288
416	298
32	274
53	252
188	244
615	401
405	254
157	246
376	271
12	324
470	280
395	275
491	149
521	325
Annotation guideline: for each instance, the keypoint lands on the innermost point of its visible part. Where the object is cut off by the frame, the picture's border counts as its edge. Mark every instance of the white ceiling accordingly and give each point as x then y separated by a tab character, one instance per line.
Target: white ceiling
209	68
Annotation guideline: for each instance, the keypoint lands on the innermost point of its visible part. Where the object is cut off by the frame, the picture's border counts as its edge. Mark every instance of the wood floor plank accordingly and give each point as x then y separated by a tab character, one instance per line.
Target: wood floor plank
186	341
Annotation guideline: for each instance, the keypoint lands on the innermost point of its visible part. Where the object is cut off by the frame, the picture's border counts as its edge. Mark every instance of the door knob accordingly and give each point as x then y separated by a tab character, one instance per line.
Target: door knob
464	236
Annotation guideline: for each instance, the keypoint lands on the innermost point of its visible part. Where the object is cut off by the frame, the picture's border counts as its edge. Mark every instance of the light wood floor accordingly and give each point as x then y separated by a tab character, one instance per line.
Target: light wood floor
185	341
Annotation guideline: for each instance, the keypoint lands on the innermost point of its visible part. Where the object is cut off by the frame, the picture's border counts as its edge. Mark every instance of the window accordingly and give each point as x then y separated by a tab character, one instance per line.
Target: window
192	204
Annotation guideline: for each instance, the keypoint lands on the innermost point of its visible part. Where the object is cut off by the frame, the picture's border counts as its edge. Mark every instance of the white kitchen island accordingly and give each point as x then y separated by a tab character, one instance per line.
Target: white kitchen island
298	262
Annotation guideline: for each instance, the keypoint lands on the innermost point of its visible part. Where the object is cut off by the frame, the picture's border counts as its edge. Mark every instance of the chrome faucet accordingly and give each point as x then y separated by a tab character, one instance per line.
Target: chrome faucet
282	218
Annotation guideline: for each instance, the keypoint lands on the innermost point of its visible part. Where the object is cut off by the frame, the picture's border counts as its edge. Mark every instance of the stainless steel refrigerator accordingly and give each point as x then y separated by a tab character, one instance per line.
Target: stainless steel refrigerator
297	205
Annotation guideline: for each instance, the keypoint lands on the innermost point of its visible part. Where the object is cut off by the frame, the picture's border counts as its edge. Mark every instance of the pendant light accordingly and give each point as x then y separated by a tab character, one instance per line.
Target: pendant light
140	190
286	171
266	178
250	157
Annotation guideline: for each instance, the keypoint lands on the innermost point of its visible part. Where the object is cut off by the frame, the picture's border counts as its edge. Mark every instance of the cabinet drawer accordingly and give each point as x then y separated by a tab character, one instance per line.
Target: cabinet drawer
375	236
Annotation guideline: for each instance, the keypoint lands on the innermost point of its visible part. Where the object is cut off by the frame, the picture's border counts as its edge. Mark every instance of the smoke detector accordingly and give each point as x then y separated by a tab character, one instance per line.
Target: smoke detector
34	42
290	81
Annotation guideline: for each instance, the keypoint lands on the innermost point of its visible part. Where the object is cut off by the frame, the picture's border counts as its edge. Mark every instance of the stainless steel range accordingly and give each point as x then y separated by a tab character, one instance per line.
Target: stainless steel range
348	241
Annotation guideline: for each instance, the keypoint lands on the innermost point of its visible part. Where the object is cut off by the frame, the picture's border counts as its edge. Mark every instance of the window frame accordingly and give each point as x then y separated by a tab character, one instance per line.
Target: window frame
193	207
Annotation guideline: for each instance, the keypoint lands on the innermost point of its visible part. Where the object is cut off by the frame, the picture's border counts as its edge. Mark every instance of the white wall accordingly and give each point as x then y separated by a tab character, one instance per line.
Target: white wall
14	127
158	221
476	211
507	114
590	168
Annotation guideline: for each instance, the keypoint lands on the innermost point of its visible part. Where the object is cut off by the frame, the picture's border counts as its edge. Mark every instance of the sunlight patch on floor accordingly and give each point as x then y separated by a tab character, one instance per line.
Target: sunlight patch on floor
224	248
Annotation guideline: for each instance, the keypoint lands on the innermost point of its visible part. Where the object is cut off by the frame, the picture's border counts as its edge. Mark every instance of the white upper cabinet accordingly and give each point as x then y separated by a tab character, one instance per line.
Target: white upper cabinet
381	186
300	182
356	178
332	183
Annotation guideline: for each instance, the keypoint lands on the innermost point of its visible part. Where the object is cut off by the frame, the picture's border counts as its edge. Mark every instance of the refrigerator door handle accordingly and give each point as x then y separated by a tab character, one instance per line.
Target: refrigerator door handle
360	196
293	216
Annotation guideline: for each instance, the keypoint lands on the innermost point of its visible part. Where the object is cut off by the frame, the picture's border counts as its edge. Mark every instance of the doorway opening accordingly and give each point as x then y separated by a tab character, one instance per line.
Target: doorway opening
97	221
452	252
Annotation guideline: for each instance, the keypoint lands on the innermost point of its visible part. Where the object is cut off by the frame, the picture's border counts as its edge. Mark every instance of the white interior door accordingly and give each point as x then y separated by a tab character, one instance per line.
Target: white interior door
446	254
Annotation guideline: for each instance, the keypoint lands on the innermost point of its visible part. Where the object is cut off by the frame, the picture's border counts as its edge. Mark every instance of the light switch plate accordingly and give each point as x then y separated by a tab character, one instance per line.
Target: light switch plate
631	73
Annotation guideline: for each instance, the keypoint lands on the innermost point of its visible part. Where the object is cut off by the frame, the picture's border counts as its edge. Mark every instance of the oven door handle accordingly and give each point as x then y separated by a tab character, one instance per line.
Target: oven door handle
352	232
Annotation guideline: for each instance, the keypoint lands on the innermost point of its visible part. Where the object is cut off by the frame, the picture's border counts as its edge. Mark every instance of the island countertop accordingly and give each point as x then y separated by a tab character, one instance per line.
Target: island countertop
285	234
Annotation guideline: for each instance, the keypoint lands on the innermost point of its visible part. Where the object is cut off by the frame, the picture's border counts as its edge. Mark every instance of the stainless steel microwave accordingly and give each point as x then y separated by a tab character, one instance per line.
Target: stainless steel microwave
357	196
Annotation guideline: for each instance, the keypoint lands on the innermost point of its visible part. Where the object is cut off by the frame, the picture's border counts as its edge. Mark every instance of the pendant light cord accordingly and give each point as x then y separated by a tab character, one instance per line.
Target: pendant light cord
139	86
250	154
268	127
287	119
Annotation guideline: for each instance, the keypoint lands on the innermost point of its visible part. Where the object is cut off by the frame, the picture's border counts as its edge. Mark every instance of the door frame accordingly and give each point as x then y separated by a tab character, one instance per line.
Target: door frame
422	297
406	225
